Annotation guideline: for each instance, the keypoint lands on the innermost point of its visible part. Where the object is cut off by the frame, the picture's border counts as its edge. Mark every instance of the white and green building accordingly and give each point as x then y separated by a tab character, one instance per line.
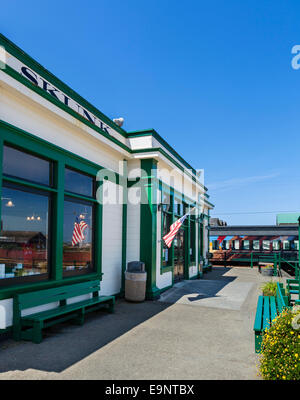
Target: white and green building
62	161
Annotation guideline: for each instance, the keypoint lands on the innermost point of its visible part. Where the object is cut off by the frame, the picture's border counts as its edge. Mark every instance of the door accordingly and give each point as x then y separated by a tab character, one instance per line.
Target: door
179	255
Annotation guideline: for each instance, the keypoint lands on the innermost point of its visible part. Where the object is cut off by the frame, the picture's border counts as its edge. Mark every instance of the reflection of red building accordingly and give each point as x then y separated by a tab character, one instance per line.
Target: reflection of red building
77	255
28	248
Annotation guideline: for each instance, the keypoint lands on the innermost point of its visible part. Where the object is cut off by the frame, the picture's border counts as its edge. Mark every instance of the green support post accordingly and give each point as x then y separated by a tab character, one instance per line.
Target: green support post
275	265
148	224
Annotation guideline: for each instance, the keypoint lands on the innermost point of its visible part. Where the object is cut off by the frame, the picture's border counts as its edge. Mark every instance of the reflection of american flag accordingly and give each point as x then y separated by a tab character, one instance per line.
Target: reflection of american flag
174	228
79	228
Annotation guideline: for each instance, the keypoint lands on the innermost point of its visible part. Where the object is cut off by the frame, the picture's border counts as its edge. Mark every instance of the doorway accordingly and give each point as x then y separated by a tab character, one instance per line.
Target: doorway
179	255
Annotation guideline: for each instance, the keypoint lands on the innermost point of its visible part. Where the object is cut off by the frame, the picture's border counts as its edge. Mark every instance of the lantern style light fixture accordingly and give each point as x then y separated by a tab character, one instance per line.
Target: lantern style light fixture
9	204
33	218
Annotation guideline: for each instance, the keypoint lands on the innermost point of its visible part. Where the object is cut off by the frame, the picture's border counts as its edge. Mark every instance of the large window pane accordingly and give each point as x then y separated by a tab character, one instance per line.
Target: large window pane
266	244
286	245
246	244
78	240
76	182
24	234
236	244
22	165
256	245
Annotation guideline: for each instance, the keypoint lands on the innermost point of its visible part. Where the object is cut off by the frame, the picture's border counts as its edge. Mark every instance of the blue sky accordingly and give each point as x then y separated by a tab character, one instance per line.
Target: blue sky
214	78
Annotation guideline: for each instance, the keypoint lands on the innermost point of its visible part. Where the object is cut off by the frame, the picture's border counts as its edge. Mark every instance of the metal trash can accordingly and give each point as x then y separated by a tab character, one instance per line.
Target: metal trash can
135	281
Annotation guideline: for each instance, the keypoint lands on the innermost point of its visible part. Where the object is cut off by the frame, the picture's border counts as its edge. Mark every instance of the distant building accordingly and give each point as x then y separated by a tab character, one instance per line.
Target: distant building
287	219
217	222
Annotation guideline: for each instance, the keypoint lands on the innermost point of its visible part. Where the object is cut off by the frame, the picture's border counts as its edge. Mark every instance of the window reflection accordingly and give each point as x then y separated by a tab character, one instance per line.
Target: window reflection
76	182
77	246
24	233
25	166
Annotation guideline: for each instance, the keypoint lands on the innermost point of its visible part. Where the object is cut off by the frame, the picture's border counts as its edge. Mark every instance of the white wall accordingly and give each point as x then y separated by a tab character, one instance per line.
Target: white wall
111	244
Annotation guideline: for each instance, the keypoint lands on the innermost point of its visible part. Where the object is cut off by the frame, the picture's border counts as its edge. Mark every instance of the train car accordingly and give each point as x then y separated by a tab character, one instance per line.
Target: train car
233	245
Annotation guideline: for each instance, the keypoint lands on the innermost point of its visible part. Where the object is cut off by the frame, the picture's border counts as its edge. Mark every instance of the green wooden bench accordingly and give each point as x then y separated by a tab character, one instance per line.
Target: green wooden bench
268	307
30	327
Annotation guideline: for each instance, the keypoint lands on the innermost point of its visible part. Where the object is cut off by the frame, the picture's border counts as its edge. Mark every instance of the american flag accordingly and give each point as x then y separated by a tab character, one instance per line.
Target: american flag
174	228
79	228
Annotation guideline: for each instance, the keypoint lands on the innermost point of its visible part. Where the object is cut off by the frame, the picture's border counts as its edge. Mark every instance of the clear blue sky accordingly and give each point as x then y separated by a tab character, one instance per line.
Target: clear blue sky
214	78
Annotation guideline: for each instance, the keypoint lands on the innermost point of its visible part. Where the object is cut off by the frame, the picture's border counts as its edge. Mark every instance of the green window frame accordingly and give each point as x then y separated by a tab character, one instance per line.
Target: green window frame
88	201
166	208
60	158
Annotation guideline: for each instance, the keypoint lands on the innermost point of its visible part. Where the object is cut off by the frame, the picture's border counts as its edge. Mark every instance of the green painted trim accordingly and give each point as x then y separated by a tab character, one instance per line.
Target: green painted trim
14	50
28	184
11	72
80	197
57	222
6	330
148	226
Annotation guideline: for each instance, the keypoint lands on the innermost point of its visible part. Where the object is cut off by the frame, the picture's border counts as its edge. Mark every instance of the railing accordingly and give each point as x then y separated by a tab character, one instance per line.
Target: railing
276	259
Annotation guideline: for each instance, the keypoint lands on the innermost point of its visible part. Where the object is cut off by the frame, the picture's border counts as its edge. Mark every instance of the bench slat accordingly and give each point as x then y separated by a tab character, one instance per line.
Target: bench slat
273	308
258	316
266	313
41	316
47	296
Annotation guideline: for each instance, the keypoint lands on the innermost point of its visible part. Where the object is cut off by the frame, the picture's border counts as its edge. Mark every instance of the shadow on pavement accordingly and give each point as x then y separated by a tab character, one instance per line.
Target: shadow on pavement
208	287
65	344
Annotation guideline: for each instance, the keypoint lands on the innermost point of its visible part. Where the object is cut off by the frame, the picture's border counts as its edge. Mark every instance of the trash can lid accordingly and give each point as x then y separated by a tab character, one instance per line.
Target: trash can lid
136	266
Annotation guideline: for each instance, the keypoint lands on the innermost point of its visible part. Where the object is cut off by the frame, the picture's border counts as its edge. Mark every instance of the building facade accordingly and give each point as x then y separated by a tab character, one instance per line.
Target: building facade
81	197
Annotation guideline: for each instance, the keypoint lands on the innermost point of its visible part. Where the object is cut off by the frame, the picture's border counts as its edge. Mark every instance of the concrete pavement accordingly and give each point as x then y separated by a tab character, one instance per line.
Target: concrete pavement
201	329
